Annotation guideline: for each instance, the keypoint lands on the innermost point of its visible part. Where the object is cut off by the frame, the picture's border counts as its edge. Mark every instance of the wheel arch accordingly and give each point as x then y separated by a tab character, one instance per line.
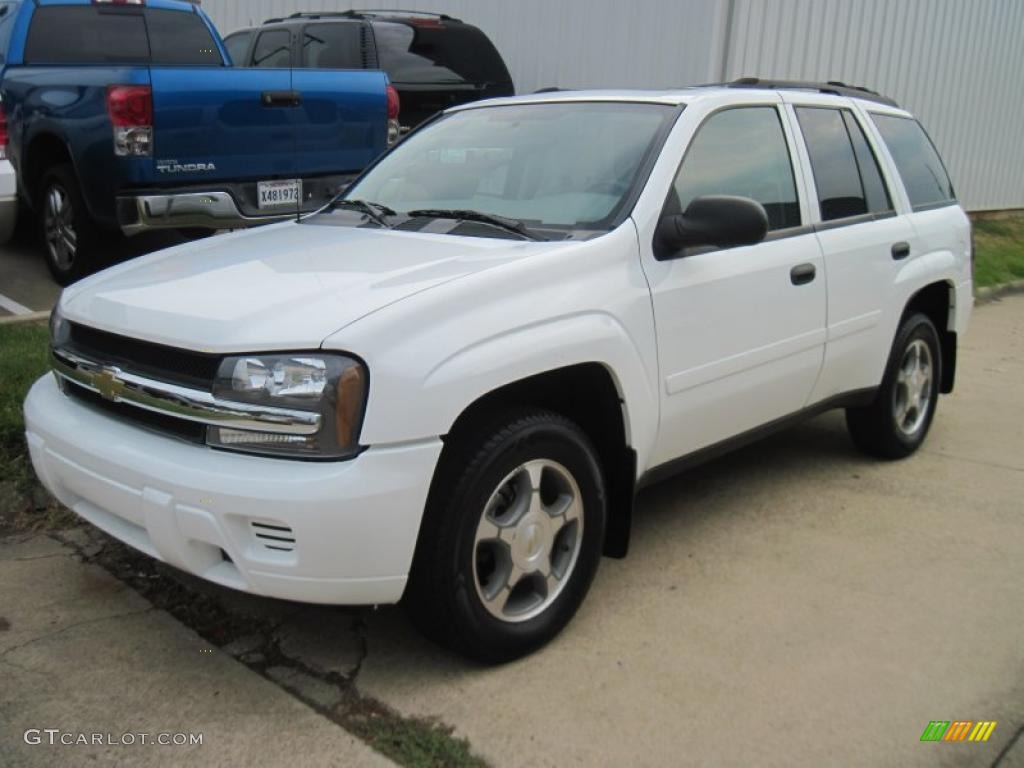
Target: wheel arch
589	395
937	301
43	151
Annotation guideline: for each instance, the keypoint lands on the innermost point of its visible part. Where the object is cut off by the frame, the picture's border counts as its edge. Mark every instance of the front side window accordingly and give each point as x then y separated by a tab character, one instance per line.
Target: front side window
273	50
238	46
916	159
845	171
338	45
743	152
568	166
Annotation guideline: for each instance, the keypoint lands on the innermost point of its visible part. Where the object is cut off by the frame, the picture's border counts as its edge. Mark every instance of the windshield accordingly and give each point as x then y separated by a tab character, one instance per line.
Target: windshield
552	165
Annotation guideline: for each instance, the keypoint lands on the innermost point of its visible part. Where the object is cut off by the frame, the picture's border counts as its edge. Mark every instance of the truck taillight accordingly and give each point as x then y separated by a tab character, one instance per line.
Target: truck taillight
394	107
3	133
131	113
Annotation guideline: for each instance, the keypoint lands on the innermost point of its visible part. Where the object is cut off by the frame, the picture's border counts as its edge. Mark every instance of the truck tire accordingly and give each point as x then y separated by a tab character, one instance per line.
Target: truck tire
511	537
71	240
897	422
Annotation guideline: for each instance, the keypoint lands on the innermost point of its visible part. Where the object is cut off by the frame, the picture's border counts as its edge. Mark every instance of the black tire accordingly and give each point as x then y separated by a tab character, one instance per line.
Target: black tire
876	429
66	268
443	598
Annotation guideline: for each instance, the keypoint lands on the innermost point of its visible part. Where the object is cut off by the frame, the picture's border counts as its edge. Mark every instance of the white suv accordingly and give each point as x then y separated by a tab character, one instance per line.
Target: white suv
447	386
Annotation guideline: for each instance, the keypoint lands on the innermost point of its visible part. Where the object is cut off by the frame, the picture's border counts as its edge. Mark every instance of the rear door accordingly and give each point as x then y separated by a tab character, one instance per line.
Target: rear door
218	123
864	238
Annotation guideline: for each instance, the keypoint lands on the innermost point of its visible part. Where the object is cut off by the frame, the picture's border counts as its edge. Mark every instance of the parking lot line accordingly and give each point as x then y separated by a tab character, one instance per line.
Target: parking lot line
14	307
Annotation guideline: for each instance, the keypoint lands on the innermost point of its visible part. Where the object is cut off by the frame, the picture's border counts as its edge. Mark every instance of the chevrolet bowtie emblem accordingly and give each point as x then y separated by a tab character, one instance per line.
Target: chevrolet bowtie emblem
107	384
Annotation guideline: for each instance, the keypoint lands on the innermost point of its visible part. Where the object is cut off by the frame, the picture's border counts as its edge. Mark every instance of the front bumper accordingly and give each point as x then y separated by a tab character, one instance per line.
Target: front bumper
320	532
228	206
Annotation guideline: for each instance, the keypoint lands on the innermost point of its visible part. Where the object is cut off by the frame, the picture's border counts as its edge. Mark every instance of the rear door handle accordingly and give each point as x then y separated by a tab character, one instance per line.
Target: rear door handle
802	274
900	251
281	98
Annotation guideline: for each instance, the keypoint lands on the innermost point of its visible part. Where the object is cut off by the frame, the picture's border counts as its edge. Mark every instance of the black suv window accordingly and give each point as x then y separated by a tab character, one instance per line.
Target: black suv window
429	51
741	151
338	45
83	34
177	38
273	49
918	162
237	45
848	180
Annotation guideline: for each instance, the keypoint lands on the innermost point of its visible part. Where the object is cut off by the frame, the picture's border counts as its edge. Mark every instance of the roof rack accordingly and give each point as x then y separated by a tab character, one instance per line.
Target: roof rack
358	13
833	87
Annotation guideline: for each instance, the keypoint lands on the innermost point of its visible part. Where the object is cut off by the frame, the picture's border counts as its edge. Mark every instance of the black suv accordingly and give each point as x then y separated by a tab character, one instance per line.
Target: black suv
433	60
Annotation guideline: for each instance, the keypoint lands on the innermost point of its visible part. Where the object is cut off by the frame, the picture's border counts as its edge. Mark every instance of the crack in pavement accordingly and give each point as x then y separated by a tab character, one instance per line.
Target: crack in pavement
69	627
1009	745
405	739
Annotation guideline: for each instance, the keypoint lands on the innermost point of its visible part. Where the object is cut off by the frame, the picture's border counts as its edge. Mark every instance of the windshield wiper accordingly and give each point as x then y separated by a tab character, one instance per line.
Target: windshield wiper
374	211
500	222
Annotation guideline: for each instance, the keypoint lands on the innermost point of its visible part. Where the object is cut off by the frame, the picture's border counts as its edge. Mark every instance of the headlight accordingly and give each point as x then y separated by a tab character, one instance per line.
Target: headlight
59	328
332	385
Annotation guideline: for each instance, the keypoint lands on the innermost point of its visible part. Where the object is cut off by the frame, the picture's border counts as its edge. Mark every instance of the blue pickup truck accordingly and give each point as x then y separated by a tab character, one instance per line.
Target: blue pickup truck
126	115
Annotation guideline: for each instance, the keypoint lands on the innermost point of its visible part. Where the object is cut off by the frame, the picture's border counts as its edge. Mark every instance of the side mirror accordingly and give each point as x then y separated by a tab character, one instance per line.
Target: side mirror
719	220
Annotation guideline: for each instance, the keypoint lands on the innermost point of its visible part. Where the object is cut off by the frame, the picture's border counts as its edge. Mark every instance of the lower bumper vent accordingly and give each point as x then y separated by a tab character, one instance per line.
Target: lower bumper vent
274	536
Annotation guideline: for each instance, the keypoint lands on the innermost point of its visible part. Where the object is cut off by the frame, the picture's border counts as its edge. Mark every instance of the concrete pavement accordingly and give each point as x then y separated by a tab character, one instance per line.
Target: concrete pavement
790	604
83	653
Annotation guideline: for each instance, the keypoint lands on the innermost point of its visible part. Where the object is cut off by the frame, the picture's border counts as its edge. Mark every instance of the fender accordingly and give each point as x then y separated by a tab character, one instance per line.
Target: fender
433	354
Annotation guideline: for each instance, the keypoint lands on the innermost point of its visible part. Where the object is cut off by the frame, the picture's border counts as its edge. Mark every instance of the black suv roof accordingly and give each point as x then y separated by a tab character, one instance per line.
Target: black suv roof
363	13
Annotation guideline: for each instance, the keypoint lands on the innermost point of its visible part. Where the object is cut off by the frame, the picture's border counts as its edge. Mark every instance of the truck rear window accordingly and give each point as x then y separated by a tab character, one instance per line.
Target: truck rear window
84	34
437	52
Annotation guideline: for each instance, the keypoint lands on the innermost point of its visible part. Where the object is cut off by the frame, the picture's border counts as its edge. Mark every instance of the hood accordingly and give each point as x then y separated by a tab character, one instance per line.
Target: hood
286	286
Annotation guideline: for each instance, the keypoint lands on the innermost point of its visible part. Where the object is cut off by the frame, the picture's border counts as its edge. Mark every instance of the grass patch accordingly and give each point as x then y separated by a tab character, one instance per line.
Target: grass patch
23	359
24	505
999	249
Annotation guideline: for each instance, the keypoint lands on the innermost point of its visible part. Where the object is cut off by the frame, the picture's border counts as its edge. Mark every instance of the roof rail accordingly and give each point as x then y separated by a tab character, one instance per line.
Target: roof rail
832	86
359	13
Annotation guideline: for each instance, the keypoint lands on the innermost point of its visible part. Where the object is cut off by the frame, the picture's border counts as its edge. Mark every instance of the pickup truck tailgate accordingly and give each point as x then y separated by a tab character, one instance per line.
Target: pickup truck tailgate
213	125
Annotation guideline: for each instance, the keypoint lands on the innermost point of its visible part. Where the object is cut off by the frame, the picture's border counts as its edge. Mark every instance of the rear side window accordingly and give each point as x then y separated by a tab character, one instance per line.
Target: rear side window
334	46
437	52
919	164
180	39
238	45
845	172
273	49
741	151
83	34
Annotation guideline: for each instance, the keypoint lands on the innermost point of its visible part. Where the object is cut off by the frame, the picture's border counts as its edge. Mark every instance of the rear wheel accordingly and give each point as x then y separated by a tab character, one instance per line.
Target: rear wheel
69	236
896	424
511	538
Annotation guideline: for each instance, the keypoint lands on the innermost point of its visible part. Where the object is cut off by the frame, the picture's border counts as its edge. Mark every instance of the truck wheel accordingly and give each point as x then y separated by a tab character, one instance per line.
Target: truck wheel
511	537
895	425
70	238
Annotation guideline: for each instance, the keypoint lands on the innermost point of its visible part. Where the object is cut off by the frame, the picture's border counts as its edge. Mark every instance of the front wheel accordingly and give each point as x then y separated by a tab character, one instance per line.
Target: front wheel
511	538
896	424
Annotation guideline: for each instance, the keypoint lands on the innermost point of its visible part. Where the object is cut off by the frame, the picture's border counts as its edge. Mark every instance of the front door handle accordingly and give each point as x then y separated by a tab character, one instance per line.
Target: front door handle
900	251
281	98
802	274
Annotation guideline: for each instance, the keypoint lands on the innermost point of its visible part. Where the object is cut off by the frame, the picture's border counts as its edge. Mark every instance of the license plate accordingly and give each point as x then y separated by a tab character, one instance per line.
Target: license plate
278	194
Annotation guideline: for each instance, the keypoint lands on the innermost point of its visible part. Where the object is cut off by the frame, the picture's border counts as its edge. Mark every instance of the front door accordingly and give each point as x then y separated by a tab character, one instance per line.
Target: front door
741	331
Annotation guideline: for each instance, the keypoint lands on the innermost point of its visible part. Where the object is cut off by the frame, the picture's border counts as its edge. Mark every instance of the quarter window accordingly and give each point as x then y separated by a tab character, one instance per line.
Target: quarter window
338	45
920	166
845	171
743	152
273	50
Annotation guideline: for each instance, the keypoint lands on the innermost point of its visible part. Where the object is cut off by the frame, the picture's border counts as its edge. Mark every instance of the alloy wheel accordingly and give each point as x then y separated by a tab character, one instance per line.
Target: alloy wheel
59	227
528	540
912	394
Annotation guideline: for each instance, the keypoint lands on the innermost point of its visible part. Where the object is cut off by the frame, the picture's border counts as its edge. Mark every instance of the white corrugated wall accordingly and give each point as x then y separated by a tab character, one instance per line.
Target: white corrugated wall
957	64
